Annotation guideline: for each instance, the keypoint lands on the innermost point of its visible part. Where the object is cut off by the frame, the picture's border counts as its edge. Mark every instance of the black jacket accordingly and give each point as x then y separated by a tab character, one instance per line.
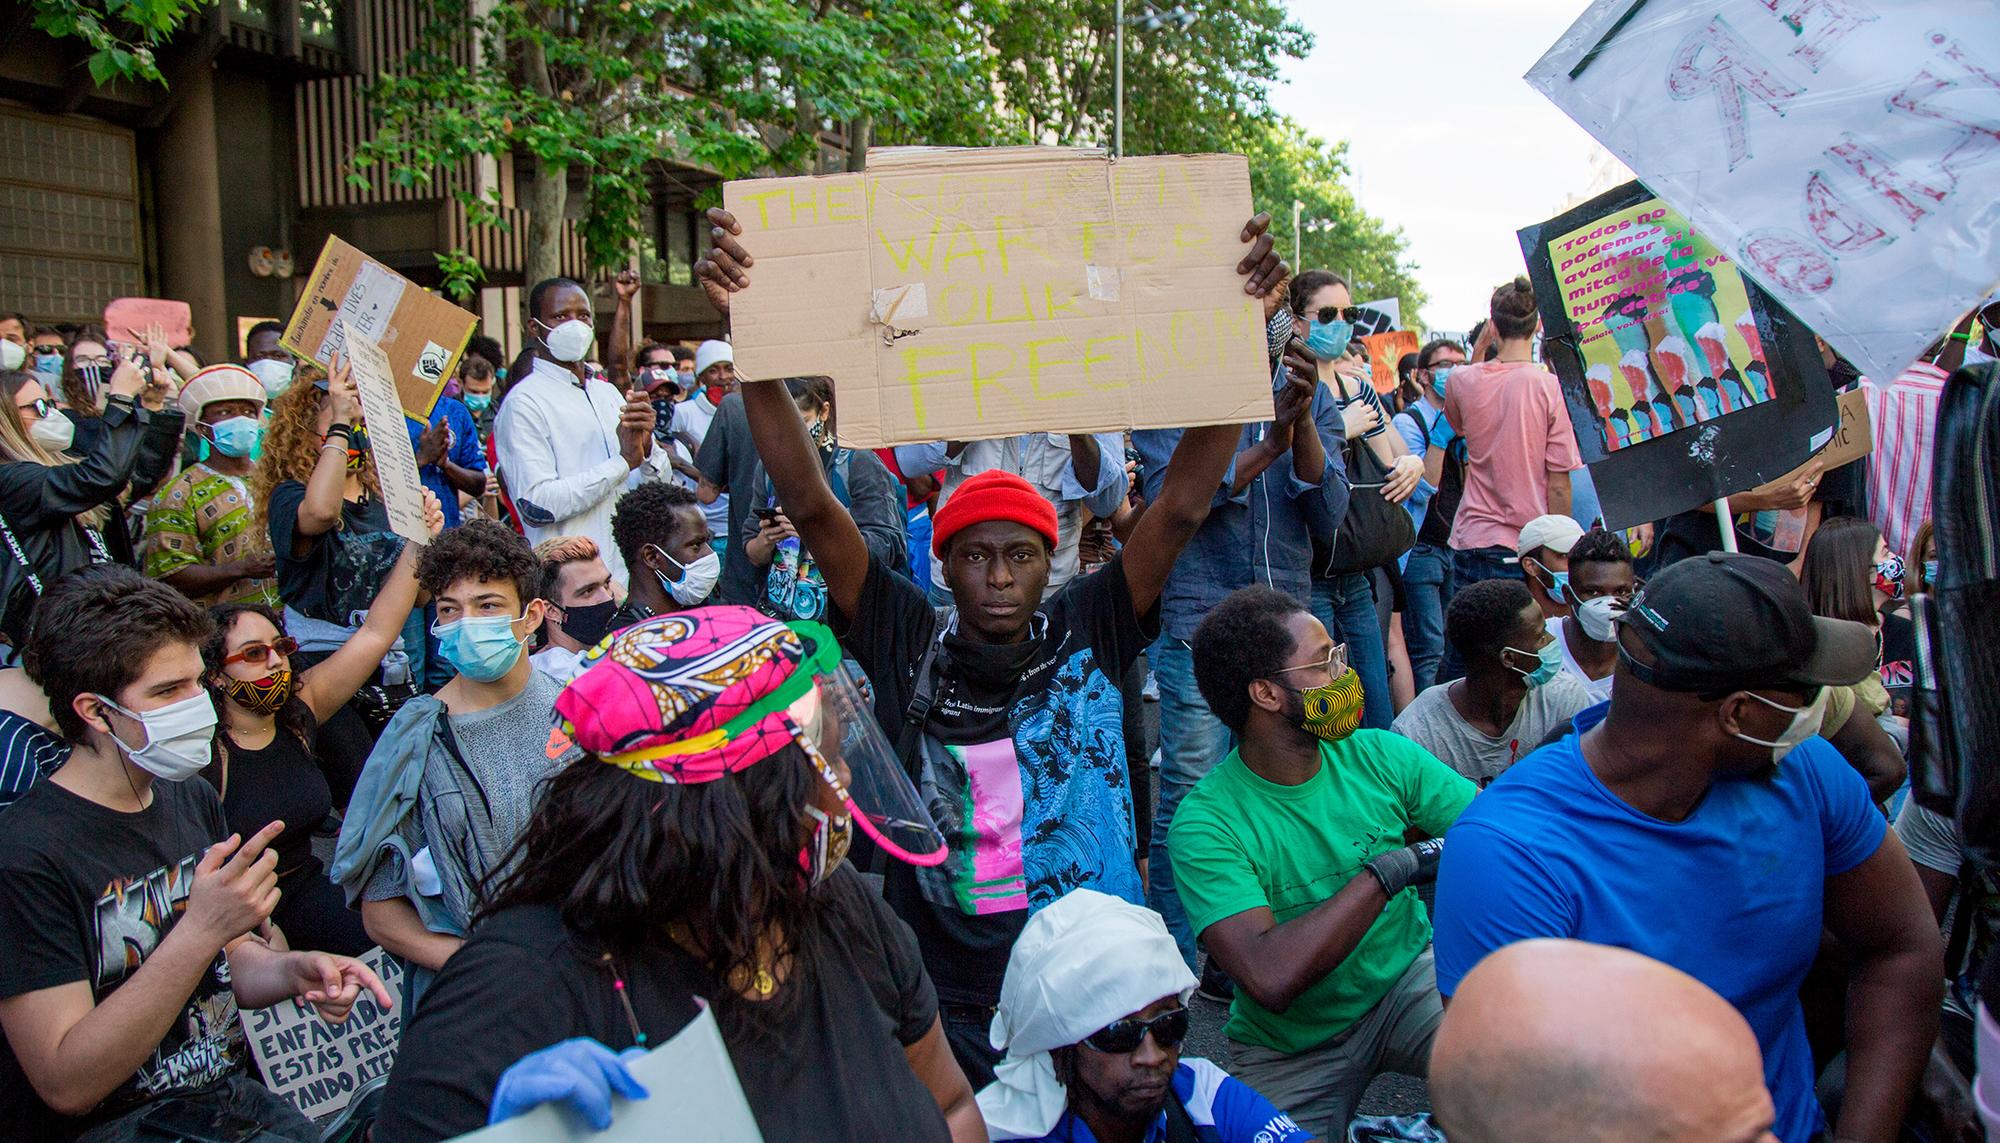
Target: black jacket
41	503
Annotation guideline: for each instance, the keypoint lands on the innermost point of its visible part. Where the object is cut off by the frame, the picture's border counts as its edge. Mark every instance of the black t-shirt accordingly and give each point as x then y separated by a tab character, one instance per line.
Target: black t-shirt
1023	769
280	782
87	893
835	1071
341	570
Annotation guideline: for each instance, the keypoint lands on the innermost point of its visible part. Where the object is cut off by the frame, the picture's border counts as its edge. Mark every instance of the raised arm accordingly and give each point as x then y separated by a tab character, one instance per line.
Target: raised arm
618	368
321	509
825	527
327	685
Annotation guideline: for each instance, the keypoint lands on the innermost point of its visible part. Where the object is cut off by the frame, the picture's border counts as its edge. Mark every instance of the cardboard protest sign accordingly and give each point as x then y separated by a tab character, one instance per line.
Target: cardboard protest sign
1684	382
691	1093
1852	438
1384	351
961	294
1843	154
388	442
318	1065
127	319
422	334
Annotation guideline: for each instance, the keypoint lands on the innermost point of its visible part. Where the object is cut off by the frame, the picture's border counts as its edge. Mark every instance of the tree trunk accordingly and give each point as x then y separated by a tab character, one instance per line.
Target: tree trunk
858	132
547	200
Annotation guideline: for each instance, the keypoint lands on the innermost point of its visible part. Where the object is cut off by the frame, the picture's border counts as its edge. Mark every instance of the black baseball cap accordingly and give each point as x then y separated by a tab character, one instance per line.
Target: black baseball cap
1728	622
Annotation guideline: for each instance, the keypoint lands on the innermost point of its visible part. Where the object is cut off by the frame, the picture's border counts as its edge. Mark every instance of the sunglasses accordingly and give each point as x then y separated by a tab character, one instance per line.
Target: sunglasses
260	653
1169	1029
1327	315
43	407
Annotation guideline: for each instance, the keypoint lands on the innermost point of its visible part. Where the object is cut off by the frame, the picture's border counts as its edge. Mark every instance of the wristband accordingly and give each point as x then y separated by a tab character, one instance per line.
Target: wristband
343	430
1964	337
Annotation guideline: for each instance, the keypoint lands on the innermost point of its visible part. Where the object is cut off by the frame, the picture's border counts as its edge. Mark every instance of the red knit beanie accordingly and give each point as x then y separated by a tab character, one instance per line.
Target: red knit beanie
993	495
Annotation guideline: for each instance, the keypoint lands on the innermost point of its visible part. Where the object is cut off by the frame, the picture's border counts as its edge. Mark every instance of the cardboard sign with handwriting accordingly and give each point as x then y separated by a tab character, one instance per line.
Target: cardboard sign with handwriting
317	1065
422	334
969	293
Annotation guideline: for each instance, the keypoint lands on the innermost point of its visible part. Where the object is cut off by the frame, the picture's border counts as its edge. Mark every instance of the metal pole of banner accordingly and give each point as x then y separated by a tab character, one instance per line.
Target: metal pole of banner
1725	522
1118	87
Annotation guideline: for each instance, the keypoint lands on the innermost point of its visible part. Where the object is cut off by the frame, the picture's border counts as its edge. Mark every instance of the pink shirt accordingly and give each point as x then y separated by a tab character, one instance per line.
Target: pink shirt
1899	470
1516	428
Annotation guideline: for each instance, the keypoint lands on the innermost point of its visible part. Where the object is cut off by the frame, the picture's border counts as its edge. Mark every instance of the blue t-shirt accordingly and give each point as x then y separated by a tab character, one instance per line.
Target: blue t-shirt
465	452
1223	1109
1732	896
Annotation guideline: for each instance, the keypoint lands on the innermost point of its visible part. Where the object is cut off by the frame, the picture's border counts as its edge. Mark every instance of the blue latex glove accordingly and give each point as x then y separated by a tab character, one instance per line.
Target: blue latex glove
581	1073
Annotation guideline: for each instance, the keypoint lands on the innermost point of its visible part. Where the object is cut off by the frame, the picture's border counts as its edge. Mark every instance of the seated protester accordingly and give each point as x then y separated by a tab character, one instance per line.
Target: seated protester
1697	820
1093	1014
60	514
1962	894
1544	554
1601	583
413	850
200	537
1291	861
264	763
31	746
581	599
1008	706
1514	690
1561	1040
722	749
789	585
132	915
451	458
316	491
662	535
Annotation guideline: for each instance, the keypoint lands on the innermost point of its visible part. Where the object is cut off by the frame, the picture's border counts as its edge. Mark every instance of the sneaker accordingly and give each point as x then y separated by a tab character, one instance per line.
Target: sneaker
1215	983
1151	691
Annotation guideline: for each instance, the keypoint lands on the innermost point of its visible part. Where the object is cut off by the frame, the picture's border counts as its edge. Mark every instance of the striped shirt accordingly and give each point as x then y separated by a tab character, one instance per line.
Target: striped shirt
1899	470
28	753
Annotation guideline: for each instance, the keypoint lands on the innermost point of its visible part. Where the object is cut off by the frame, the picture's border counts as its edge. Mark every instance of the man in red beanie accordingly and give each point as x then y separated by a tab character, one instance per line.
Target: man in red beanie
1006	705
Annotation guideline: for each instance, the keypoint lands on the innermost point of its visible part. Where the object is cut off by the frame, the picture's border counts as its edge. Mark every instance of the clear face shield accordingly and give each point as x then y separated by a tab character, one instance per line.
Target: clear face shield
852	753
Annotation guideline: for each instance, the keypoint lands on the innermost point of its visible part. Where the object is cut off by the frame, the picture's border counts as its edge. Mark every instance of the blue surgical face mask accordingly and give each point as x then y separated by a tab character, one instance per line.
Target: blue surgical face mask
1544	574
482	648
48	366
237	436
1930	573
1328	340
1439	375
478	402
1549	661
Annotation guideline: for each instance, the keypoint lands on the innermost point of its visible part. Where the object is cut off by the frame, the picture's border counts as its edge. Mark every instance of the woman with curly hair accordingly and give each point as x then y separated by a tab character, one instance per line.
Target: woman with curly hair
264	763
693	856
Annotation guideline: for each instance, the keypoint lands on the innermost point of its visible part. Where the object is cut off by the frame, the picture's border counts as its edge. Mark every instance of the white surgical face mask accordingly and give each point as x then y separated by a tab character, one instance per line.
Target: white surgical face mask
53	432
570	340
275	374
697	579
12	355
178	737
1597	616
1805	723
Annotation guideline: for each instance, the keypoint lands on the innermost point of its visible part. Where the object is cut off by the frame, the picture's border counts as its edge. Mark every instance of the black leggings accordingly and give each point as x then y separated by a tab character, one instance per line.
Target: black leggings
313	913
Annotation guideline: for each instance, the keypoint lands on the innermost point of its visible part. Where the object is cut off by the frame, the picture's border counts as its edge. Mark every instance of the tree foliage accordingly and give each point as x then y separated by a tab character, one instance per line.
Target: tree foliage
121	35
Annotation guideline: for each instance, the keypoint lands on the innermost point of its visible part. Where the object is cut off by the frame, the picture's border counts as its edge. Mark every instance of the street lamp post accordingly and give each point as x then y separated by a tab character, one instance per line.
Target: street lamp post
1297	209
1152	20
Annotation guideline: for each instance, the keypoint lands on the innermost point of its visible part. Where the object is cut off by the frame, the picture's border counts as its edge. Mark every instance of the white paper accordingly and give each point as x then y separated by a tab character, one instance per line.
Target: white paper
1842	152
370	302
388	438
692	1093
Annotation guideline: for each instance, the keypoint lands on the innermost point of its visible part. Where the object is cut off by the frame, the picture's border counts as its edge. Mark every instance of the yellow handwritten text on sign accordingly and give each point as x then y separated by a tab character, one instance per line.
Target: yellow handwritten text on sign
965	294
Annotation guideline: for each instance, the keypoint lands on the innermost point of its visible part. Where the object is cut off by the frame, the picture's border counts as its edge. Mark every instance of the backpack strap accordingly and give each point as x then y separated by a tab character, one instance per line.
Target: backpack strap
1180	1125
909	738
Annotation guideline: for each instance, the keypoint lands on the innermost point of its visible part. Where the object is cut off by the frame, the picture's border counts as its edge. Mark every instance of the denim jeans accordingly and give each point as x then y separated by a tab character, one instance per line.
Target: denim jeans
1192	741
1470	566
1345	605
1426	588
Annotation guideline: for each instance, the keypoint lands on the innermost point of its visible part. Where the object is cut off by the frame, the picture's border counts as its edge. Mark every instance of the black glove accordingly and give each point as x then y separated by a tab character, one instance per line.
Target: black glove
1399	869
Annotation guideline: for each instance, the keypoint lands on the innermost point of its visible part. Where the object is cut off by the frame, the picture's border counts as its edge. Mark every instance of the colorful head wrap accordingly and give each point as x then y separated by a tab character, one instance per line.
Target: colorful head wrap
695	695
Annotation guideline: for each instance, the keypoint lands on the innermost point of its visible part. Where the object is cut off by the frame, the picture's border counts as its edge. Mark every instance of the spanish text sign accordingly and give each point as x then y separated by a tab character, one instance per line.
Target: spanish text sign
317	1065
961	294
1842	153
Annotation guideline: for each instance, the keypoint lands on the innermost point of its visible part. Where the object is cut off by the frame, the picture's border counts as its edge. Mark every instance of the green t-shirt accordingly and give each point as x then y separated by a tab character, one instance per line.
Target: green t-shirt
1240	842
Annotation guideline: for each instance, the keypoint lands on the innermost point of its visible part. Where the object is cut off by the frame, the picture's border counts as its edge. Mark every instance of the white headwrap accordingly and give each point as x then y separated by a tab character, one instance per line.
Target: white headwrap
1083	962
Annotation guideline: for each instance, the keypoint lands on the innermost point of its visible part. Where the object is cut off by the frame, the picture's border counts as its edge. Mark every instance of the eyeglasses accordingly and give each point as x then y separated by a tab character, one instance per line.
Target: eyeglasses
89	362
1335	663
260	653
1327	315
43	407
1169	1029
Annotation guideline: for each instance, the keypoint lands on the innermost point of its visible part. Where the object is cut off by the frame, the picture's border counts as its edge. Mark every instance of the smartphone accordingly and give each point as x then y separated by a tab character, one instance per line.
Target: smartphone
194	1123
765	515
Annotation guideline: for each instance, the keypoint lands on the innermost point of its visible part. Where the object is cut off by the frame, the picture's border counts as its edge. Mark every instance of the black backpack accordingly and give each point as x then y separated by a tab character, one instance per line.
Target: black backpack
1374	532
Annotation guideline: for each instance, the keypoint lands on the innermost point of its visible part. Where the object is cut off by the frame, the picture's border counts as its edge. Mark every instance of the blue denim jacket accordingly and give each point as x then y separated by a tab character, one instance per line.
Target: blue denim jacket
1261	535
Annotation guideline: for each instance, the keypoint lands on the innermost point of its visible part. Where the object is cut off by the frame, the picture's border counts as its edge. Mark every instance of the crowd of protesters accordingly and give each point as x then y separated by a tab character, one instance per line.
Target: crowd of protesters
687	706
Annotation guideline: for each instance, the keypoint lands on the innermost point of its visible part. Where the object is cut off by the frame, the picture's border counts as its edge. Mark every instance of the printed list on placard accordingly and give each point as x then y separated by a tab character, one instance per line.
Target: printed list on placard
388	441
